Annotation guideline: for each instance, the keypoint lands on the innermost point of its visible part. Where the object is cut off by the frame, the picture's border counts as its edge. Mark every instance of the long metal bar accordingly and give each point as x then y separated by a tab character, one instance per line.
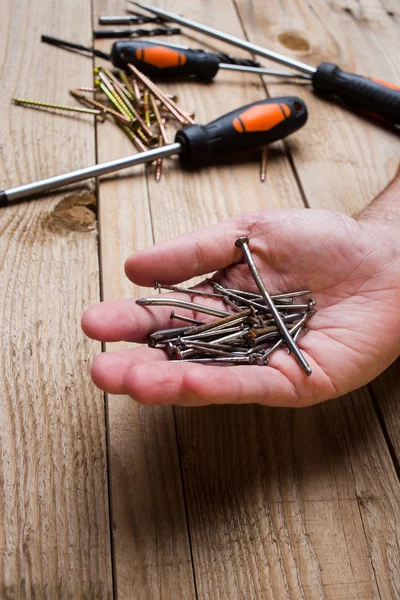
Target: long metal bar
44	185
225	37
262	71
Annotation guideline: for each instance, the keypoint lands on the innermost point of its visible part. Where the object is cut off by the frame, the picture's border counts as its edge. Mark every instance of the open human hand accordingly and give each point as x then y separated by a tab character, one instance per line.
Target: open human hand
350	268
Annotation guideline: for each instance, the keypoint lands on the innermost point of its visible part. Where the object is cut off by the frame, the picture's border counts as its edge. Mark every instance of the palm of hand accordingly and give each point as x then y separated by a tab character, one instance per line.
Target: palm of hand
353	276
354	335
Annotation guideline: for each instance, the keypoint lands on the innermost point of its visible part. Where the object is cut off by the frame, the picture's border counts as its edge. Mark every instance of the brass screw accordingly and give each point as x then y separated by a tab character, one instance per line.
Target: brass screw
160	122
105	84
112	98
157	92
82	98
159	161
146	107
123	97
40	104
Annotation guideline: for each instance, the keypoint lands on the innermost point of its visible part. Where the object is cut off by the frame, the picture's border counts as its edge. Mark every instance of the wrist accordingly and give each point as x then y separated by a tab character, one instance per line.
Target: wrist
385	232
382	216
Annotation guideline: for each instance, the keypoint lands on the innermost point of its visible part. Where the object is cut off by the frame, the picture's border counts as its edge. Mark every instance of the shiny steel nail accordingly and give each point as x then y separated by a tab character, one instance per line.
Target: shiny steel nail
220	323
292	331
231	360
191	291
210	333
165	334
206	348
243	244
207	310
173	315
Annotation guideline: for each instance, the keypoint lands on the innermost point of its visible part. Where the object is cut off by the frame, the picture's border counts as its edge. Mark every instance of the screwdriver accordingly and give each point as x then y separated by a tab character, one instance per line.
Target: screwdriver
168	60
248	127
375	96
171	61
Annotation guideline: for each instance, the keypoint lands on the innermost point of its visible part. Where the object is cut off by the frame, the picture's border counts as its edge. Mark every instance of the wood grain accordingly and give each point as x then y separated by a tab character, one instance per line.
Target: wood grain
215	502
54	528
150	535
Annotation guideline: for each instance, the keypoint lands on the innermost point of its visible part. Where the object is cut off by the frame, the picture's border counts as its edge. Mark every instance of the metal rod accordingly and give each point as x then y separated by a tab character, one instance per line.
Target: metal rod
225	37
262	71
243	244
44	185
207	310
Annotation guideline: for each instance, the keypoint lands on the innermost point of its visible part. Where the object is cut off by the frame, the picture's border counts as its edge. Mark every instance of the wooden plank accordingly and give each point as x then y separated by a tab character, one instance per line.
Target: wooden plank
385	389
54	532
150	536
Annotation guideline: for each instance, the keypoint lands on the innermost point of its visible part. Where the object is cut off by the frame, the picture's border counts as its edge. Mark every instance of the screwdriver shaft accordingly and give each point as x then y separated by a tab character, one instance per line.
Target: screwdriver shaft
51	183
262	71
225	37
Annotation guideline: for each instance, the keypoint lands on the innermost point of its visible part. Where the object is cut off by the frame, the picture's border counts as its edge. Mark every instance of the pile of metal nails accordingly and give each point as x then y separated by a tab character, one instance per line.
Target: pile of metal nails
247	332
139	107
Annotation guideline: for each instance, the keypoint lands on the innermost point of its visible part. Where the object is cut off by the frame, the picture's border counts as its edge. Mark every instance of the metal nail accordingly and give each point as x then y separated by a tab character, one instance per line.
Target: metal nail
173	315
220	323
165	334
243	243
292	331
207	310
191	291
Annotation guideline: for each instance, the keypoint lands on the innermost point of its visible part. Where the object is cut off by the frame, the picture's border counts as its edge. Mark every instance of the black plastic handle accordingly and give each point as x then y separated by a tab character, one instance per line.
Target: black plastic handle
372	95
157	60
247	127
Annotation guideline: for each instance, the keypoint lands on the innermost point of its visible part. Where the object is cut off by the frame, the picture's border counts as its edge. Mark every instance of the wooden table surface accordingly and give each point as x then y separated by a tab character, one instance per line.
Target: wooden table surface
102	497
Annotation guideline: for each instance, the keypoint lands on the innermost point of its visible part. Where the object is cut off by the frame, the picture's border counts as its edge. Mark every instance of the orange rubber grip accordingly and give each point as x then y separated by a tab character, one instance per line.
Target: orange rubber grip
160	57
261	118
248	127
385	83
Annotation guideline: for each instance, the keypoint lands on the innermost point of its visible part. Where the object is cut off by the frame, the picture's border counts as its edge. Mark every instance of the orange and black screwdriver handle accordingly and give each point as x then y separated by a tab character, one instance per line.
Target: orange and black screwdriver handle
374	96
250	126
157	60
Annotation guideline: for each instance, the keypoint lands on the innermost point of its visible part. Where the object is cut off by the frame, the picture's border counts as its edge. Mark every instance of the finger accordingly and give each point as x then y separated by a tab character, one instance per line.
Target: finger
190	384
108	369
187	256
124	320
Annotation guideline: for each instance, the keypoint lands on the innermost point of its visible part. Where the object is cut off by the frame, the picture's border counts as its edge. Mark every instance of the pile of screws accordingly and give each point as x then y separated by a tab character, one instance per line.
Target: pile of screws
133	101
248	333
